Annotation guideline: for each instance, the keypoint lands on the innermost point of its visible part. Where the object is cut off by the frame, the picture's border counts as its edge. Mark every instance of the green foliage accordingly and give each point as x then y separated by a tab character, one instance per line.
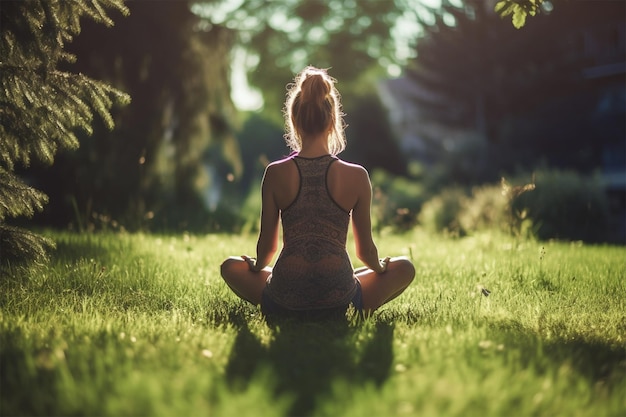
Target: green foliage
250	210
554	205
261	142
401	202
441	213
486	209
174	144
282	37
42	107
518	10
17	198
492	208
566	205
120	325
397	198
20	247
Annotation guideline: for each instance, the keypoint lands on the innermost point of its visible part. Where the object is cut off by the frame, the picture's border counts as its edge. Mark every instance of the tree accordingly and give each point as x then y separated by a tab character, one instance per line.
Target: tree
42	107
479	69
523	91
282	37
152	169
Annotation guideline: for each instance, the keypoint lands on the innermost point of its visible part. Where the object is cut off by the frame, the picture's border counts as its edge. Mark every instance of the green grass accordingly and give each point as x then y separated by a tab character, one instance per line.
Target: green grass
127	325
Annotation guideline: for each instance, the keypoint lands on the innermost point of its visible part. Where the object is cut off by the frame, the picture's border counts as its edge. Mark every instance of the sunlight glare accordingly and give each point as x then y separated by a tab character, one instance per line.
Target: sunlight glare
317	35
394	70
216	12
245	97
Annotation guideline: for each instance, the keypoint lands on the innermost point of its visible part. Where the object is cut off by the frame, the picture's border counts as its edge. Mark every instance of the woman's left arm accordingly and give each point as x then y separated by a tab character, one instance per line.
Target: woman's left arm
268	235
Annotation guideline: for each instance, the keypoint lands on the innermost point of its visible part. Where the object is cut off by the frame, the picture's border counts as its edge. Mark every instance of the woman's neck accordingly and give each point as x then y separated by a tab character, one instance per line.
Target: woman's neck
314	146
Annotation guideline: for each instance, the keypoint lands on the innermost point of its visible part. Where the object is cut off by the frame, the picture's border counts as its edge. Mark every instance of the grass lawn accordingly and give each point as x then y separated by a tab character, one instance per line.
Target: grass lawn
129	325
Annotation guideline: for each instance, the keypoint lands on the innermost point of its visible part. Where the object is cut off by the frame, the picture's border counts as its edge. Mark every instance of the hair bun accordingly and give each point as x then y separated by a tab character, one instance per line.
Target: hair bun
314	89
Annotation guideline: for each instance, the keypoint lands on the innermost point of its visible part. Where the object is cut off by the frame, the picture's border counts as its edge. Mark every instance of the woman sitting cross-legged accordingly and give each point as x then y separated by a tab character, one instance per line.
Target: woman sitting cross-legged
314	194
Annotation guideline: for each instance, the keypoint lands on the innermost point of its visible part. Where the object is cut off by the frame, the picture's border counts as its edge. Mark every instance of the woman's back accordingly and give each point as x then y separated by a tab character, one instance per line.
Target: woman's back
313	270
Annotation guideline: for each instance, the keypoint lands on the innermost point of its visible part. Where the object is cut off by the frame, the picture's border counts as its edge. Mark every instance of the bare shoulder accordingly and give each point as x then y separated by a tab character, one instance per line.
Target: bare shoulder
280	163
355	171
279	167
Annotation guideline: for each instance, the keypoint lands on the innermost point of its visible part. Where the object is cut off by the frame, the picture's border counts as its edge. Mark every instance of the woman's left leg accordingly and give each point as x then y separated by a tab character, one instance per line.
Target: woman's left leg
378	289
245	283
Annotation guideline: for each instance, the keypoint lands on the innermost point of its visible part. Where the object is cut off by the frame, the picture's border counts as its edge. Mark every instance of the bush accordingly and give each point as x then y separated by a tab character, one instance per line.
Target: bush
491	207
556	205
566	205
488	208
397	199
442	212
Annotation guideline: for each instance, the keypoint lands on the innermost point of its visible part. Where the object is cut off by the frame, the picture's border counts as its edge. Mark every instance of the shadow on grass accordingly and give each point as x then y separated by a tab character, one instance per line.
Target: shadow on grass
305	359
600	362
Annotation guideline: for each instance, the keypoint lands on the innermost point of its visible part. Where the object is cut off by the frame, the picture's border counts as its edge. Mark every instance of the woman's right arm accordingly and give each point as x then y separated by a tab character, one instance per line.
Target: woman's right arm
267	243
366	249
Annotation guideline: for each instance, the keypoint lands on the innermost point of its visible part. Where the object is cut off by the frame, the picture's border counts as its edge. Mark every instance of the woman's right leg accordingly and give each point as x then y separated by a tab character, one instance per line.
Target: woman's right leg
245	283
379	289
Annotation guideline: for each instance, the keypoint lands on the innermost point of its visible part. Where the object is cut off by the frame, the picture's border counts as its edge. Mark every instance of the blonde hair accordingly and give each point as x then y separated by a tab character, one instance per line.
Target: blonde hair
313	106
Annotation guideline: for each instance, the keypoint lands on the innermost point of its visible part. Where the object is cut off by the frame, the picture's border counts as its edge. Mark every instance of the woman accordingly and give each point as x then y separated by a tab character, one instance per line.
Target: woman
315	193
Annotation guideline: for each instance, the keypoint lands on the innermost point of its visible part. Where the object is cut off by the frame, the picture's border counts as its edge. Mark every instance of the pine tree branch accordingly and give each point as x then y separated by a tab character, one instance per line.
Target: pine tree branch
19	246
17	198
41	107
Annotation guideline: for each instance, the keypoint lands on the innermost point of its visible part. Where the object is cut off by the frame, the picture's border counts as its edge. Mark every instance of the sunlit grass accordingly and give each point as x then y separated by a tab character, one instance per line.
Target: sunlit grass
143	325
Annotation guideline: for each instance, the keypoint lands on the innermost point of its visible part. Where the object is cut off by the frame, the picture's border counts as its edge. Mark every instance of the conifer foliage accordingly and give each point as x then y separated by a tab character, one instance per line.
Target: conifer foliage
42	107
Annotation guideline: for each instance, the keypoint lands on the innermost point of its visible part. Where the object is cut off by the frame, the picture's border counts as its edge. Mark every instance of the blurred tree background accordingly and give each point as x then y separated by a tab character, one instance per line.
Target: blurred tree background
152	170
484	100
530	94
41	106
439	95
181	156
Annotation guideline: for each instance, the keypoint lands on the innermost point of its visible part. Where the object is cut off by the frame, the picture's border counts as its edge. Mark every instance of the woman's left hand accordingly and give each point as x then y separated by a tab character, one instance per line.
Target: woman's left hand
251	263
384	263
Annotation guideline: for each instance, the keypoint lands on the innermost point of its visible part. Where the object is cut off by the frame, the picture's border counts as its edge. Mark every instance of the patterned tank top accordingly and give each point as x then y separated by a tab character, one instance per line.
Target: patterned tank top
313	270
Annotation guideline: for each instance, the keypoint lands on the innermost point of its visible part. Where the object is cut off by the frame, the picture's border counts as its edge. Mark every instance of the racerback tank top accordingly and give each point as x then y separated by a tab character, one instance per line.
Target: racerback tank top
313	270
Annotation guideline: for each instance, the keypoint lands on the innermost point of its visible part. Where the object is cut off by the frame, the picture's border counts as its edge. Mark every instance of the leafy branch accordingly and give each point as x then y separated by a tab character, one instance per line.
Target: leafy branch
518	10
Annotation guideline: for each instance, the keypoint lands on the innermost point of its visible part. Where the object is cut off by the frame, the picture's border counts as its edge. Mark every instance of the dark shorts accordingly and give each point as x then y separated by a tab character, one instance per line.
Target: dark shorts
270	308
